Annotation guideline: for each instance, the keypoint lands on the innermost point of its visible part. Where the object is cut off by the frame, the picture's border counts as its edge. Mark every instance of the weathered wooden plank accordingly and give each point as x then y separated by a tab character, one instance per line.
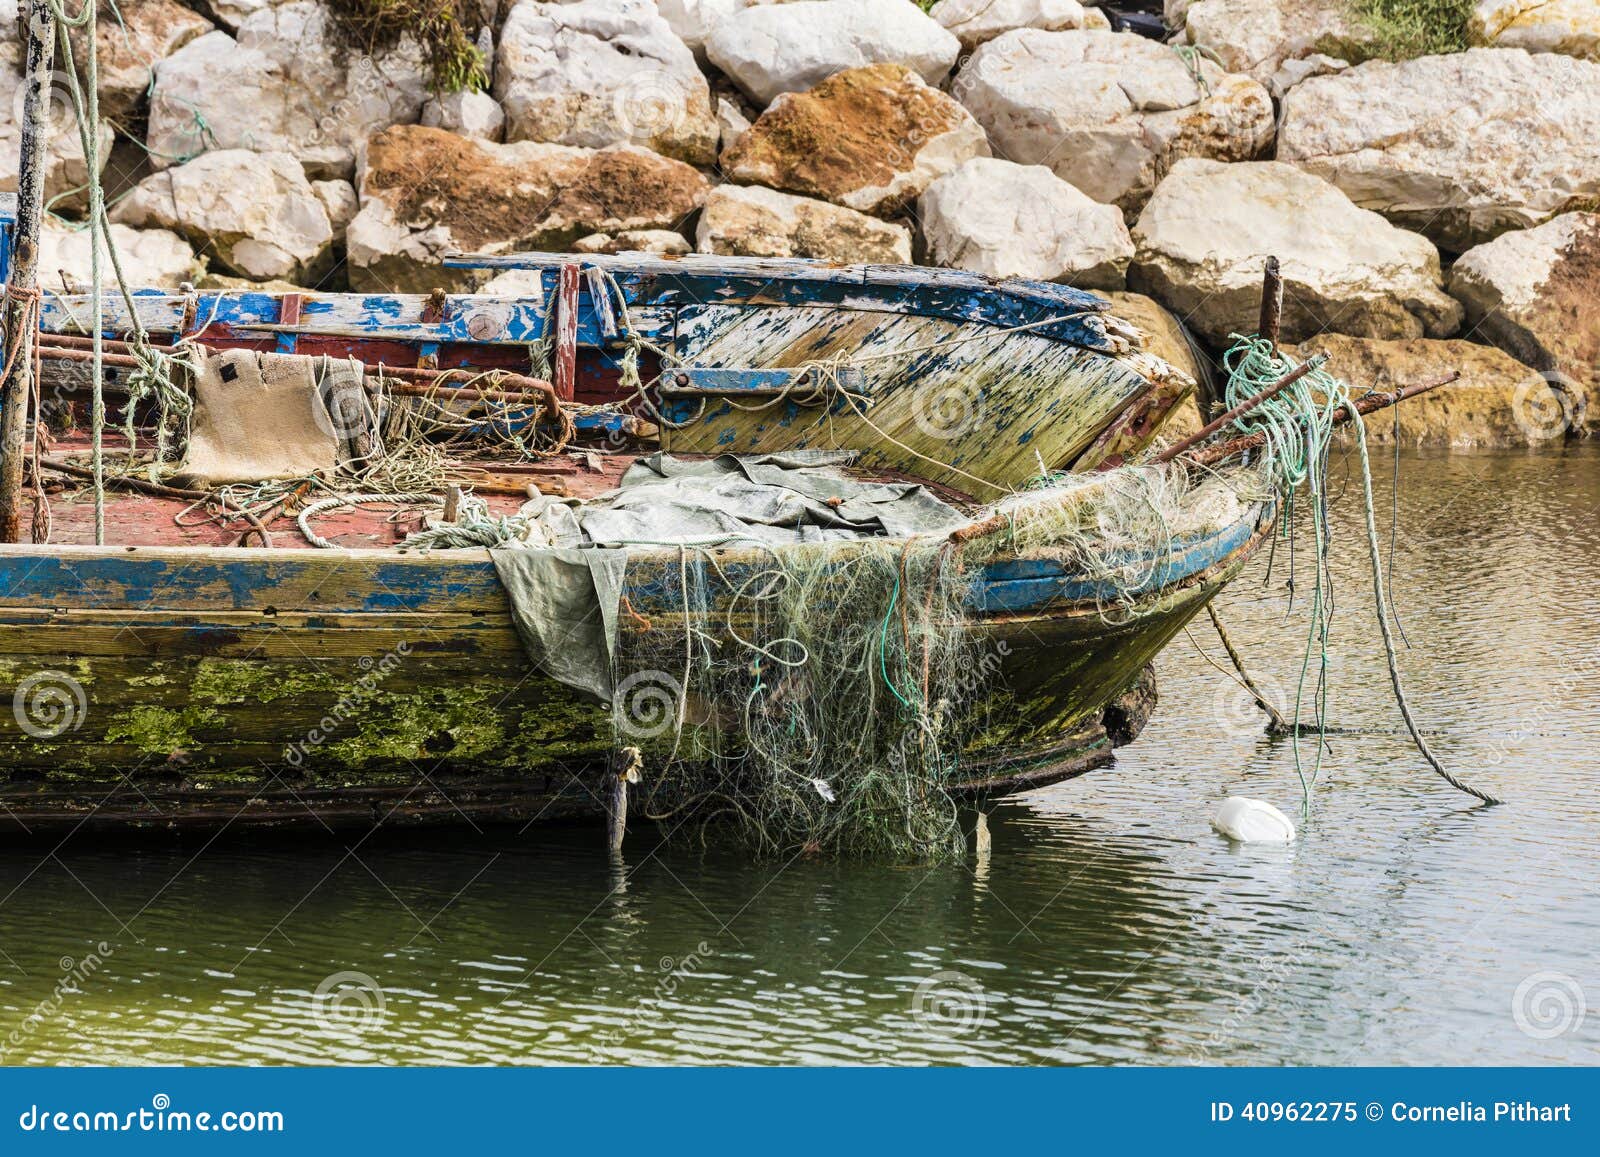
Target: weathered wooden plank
1058	311
702	381
952	402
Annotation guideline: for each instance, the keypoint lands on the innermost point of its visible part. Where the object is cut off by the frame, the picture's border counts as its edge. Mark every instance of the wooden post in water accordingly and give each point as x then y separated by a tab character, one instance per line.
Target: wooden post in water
1271	302
21	320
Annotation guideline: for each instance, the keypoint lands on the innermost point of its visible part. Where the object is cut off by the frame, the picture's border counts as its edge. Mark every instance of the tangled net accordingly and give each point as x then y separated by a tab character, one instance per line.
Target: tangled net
818	697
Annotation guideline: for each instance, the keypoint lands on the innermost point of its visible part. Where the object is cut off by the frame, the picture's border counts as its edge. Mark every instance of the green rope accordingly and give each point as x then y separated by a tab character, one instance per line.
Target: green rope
1297	426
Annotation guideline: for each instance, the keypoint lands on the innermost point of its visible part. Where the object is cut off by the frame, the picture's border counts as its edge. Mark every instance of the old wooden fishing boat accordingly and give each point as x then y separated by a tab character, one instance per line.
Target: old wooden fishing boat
939	373
160	685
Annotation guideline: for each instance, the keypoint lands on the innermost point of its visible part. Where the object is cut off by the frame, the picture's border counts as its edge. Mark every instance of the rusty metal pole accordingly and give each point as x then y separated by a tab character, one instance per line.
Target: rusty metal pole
23	277
1271	302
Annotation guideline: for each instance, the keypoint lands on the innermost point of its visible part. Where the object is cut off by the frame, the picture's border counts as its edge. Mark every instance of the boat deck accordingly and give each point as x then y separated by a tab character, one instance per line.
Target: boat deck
134	519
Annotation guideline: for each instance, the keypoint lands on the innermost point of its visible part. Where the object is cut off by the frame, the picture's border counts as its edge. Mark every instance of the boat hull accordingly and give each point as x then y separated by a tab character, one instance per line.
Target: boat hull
173	688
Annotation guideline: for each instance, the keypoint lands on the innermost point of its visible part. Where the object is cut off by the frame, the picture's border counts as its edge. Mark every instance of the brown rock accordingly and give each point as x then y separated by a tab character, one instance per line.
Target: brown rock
750	221
1163	337
130	39
1495	403
1536	294
870	139
426	192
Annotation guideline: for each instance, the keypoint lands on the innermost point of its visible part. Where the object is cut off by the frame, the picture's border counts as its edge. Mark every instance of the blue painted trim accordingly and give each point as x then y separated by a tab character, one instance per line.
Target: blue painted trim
646	279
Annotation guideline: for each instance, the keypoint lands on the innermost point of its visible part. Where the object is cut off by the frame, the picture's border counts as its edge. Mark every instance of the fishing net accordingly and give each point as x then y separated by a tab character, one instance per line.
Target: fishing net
822	697
818	698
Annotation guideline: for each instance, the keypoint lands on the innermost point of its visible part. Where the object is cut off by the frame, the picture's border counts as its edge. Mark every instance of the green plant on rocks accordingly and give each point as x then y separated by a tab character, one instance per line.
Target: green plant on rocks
442	27
1410	28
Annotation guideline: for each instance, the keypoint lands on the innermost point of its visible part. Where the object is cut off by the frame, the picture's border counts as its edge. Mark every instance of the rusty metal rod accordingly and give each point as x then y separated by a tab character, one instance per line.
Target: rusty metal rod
1243	408
159	490
1209	455
410	381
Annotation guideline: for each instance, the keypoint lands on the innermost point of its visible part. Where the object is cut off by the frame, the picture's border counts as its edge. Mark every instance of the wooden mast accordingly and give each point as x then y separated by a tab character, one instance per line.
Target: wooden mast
21	320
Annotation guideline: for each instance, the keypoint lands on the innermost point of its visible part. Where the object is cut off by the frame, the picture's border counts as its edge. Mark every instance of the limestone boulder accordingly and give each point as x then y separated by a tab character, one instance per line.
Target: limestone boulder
426	193
1487	407
67	168
732	124
340	200
1110	112
976	22
254	212
1002	219
602	72
515	283
466	113
1257	37
1459	147
870	139
1571	27
150	258
662	242
288	83
768	49
692	20
1536	294
750	221
1206	233
131	37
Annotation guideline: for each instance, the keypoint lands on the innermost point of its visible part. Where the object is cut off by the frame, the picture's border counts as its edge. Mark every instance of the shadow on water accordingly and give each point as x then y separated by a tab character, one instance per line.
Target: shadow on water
1109	924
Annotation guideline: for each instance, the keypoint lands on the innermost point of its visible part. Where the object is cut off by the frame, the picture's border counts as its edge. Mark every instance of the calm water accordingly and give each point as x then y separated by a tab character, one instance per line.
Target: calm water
1407	925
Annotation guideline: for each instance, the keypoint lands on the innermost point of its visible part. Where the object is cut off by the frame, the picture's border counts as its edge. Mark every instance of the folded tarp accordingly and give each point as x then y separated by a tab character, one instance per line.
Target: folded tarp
565	581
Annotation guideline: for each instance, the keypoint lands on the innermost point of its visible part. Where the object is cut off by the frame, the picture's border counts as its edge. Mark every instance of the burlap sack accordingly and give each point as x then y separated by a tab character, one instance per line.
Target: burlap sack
258	416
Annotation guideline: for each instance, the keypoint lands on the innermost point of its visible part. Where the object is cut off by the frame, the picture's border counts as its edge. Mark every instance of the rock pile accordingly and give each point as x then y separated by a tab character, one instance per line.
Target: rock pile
1409	200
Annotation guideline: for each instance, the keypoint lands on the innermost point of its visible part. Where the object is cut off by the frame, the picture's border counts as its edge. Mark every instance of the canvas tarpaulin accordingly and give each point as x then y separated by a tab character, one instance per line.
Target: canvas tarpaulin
266	416
565	580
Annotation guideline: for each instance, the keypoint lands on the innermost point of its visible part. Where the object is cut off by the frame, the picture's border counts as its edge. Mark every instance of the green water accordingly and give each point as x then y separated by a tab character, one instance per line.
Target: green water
1408	925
